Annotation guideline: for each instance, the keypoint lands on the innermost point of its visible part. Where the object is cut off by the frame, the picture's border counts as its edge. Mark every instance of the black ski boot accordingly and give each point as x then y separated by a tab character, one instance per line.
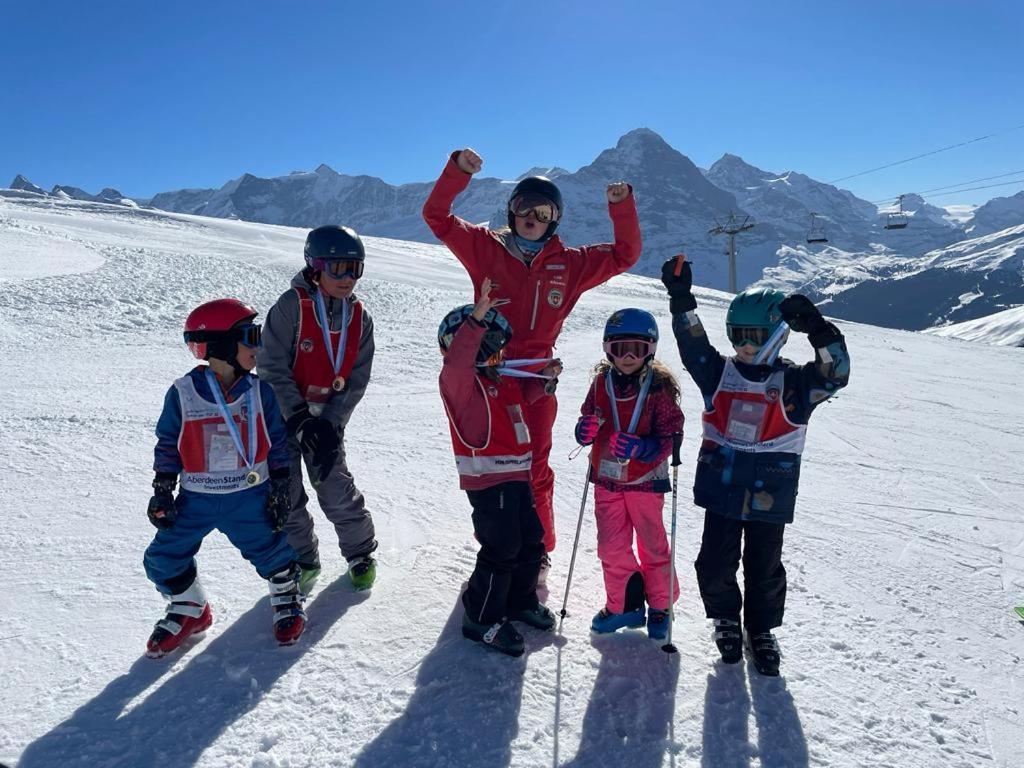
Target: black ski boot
764	652
501	636
729	640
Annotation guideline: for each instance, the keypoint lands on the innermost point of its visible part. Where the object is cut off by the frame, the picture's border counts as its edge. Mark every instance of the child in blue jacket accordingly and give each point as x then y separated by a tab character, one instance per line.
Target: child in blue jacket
221	432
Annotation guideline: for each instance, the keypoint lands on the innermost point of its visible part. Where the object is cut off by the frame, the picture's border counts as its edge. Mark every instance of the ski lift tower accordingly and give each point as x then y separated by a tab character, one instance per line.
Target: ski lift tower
732	227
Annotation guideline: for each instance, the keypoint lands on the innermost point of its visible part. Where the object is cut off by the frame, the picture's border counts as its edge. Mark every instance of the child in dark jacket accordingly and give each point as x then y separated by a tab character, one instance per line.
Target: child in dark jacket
756	409
222	433
491	441
630	416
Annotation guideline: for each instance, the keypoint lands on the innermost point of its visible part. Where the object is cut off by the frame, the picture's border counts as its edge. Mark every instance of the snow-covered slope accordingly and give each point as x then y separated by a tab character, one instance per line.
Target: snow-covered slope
1004	328
905	557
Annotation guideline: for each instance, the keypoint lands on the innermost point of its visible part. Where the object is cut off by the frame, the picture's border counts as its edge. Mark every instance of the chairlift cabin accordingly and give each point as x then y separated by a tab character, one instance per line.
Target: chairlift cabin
898	219
816	232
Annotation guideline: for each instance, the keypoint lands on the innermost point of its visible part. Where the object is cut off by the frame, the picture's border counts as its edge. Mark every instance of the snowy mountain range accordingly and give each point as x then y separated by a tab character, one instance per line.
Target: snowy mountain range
678	203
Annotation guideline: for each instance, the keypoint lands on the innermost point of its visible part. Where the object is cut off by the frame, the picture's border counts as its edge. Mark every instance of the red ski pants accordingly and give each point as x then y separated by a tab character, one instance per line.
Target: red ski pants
540	418
620	514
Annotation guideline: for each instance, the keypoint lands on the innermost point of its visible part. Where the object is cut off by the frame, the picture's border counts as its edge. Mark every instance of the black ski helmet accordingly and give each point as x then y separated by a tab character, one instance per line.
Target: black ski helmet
537	185
332	243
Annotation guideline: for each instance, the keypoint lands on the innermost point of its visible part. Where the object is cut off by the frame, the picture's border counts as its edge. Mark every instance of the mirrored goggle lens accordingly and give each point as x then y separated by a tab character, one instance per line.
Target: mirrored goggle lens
341	268
250	335
543	209
740	335
619	348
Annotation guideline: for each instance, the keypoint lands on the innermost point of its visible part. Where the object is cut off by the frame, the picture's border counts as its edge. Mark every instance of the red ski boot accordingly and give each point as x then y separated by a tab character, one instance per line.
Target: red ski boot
188	614
286	600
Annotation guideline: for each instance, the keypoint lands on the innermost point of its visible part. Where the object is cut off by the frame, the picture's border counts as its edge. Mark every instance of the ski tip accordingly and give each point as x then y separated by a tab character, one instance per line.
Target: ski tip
1020	611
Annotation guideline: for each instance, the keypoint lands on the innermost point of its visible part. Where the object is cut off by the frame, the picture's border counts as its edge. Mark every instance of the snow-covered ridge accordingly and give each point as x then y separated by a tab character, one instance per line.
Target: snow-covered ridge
904	559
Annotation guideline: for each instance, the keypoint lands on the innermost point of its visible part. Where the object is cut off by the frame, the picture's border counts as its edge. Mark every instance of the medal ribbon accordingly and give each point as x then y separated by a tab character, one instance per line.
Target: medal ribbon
236	435
511	368
645	386
767	354
325	328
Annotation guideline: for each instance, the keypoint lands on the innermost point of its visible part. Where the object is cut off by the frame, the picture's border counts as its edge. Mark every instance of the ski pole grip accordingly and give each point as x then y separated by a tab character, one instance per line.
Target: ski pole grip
677	442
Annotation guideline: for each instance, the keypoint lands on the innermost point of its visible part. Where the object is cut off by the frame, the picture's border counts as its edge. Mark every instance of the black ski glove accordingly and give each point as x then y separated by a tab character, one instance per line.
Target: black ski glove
279	500
318	440
803	317
677	276
161	511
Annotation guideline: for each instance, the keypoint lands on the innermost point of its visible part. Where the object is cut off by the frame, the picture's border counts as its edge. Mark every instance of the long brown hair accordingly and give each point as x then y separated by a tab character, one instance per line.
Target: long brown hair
662	381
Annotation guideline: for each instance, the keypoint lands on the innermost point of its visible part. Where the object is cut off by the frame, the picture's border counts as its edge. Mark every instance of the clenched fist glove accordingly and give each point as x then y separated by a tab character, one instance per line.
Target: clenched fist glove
161	511
677	276
802	316
587	428
279	500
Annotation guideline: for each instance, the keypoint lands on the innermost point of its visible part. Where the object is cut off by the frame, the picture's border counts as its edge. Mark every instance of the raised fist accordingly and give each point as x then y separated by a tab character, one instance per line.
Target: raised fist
617	191
469	161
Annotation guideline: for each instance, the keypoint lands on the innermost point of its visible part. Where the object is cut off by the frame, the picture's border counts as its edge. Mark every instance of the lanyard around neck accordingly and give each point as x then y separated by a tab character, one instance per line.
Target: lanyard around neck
335	356
645	386
222	406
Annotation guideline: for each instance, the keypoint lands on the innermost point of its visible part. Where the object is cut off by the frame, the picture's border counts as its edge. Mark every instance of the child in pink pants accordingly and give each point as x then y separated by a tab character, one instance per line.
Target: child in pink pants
629	416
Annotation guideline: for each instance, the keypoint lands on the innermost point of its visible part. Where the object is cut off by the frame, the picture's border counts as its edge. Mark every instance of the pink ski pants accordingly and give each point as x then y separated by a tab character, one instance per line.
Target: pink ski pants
619	514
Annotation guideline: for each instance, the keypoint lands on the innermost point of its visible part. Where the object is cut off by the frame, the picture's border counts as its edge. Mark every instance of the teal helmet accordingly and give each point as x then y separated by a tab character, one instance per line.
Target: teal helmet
753	316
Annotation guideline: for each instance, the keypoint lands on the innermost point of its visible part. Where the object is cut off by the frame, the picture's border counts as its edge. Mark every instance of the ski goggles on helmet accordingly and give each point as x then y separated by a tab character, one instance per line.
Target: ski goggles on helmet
620	348
250	335
542	209
339	268
740	335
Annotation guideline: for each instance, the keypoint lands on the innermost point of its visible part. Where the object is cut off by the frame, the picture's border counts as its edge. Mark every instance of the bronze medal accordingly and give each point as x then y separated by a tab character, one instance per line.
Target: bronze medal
338	384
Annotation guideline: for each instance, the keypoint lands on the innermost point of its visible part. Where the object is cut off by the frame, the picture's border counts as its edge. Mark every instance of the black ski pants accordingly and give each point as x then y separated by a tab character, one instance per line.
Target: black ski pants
764	576
511	546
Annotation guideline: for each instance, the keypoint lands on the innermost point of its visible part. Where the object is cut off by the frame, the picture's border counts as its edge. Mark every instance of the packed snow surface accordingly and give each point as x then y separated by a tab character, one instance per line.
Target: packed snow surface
907	554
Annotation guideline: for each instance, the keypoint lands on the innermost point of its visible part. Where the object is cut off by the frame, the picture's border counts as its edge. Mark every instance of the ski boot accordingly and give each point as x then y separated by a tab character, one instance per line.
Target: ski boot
286	600
545	568
657	624
540	617
729	640
764	652
632	615
362	571
308	574
187	614
500	636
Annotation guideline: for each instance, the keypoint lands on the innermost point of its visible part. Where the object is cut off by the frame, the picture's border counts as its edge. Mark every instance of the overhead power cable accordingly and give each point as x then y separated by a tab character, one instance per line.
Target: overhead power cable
927	154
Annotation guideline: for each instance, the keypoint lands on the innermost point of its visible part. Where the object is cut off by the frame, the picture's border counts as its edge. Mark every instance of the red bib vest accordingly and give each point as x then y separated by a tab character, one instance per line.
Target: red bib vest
749	415
605	465
209	458
312	368
506	451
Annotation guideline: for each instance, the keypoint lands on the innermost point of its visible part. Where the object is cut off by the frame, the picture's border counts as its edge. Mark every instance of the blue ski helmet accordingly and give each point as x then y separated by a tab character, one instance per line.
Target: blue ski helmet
496	337
631	323
753	316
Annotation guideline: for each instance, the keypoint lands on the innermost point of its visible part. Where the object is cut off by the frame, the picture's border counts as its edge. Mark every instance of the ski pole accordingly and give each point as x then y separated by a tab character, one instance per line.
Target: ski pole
576	543
677	441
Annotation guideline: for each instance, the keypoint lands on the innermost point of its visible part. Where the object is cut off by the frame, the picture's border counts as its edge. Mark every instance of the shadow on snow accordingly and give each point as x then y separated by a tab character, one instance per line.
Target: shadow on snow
174	724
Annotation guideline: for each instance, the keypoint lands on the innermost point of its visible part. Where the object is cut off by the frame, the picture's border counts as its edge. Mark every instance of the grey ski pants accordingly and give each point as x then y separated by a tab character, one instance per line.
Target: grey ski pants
340	501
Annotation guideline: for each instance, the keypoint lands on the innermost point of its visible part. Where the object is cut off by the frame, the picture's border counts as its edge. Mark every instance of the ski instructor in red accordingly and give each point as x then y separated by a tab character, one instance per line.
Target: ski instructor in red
541	279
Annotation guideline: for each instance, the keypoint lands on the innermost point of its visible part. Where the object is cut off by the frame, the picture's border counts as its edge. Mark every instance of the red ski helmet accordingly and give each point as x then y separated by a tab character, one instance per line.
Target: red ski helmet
214	322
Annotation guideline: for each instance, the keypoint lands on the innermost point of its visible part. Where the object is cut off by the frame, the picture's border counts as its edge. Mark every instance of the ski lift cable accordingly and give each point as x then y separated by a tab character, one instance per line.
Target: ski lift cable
927	154
972	181
956	191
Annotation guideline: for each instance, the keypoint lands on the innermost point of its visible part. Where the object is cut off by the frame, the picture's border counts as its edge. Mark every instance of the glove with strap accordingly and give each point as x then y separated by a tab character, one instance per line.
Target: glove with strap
624	446
587	428
279	500
677	277
161	510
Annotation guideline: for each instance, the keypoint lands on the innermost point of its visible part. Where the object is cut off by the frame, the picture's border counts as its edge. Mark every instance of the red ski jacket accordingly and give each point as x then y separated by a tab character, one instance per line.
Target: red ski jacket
541	291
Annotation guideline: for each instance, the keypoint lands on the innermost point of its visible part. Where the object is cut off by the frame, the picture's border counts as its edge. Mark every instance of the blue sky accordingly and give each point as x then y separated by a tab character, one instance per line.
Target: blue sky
148	97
